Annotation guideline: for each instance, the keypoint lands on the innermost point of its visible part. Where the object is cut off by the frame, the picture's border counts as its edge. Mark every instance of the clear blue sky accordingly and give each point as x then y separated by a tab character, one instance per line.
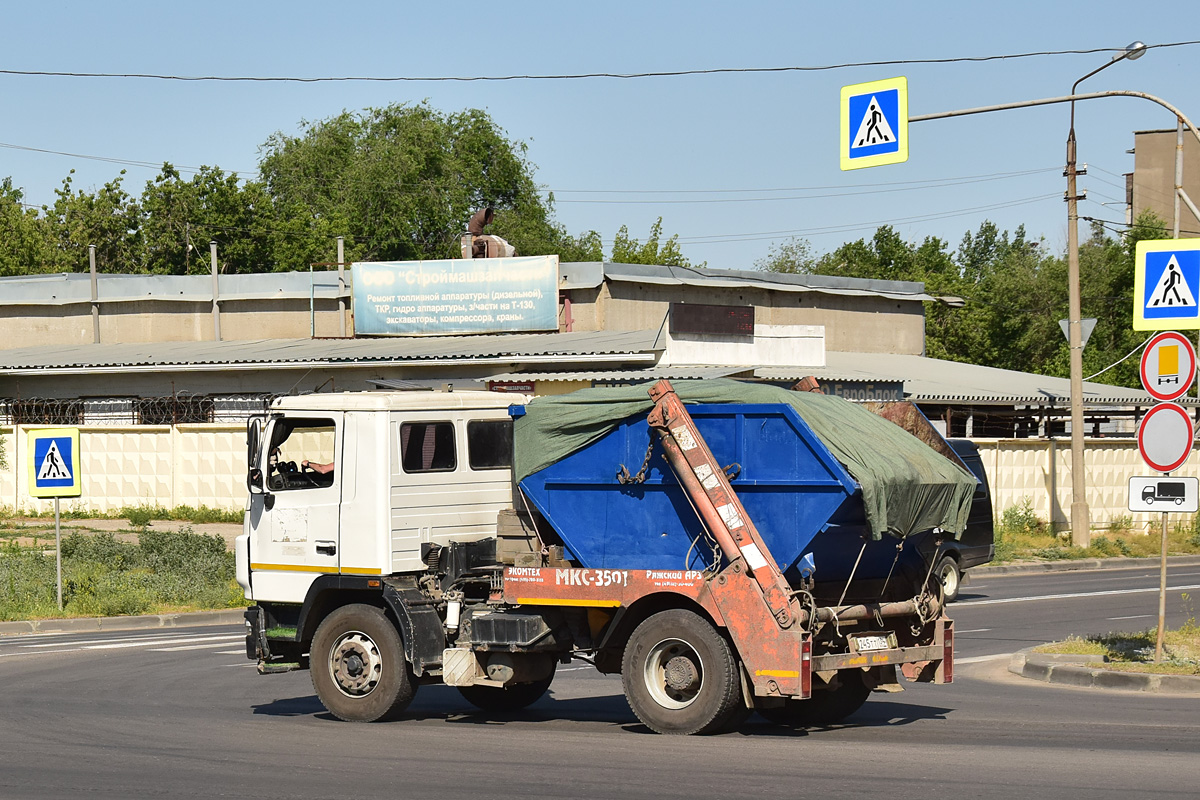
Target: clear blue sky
647	144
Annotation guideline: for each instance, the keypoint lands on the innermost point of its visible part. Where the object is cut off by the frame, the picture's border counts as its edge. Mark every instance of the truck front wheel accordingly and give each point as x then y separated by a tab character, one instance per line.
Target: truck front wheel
358	666
680	675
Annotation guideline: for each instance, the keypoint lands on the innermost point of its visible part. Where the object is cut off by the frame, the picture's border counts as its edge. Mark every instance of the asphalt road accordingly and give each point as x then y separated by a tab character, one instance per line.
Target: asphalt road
181	713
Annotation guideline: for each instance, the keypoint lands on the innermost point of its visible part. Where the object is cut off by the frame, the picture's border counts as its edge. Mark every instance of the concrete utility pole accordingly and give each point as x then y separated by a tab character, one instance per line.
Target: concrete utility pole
216	308
341	243
96	295
1081	528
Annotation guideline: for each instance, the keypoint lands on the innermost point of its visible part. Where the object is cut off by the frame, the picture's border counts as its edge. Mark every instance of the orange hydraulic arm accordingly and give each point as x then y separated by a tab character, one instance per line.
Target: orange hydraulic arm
706	484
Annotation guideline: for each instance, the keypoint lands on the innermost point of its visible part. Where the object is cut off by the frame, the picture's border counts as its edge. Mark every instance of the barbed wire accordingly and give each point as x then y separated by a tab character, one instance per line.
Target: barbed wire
182	408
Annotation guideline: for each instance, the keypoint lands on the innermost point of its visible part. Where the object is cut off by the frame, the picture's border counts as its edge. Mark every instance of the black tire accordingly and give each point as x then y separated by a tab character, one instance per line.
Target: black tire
680	675
358	666
507	698
825	707
950	577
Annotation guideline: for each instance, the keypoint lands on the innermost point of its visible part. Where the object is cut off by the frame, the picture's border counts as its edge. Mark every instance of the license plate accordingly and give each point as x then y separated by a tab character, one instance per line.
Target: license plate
865	643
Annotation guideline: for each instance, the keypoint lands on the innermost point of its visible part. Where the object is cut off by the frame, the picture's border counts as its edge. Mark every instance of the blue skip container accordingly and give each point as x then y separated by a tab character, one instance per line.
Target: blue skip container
788	481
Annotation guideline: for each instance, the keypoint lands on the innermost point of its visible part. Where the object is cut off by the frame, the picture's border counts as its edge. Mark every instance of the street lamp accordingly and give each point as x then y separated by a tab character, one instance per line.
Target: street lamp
1080	522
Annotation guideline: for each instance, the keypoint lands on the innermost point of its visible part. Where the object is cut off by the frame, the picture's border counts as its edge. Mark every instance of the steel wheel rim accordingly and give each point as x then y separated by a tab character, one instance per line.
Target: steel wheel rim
355	664
949	579
667	657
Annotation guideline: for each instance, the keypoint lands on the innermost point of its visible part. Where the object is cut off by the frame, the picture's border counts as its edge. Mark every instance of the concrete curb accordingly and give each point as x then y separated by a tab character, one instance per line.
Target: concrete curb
1088	672
231	616
1035	567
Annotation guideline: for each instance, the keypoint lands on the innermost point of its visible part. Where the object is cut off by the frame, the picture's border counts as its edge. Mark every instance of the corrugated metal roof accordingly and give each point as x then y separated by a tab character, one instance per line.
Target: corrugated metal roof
934	381
590	274
75	287
651	374
68	288
588	346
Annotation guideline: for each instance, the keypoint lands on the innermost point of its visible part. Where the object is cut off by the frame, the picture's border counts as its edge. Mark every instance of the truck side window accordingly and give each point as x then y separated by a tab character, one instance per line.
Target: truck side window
427	447
489	444
295	441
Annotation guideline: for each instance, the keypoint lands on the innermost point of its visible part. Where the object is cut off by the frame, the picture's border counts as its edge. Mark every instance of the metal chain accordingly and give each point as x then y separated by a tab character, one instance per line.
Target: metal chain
623	476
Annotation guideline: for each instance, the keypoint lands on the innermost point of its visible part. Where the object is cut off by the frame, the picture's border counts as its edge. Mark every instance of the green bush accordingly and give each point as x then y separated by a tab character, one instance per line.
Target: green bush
1102	546
104	576
1020	519
27	587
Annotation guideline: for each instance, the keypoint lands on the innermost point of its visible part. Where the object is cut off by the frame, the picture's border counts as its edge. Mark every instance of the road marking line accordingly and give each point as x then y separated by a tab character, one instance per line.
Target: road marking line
205	646
977	659
1135	616
175	637
70	648
974	630
232	653
1072	596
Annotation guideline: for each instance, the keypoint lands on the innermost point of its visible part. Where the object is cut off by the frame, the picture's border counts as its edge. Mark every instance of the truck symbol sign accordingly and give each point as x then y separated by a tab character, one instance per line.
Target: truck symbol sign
1164	491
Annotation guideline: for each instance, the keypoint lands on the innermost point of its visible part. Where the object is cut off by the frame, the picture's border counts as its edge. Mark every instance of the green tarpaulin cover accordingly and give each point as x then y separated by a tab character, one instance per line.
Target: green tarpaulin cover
906	486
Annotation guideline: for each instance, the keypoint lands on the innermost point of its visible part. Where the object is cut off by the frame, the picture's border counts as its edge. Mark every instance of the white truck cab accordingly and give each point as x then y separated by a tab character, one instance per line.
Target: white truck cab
408	470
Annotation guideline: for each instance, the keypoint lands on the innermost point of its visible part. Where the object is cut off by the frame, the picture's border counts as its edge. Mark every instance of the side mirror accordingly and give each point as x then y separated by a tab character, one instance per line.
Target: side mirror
254	481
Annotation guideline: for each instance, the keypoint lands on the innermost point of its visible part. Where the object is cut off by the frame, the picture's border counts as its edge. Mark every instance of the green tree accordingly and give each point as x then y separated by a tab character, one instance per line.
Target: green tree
25	245
211	206
400	183
108	218
627	250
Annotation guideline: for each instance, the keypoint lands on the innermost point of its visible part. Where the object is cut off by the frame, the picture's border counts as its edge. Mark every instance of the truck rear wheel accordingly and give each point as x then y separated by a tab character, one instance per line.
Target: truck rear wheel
825	707
358	666
680	675
507	698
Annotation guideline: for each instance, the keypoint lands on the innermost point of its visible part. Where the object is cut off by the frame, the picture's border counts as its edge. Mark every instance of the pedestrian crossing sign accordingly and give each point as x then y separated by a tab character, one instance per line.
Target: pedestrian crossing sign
1166	285
874	123
53	456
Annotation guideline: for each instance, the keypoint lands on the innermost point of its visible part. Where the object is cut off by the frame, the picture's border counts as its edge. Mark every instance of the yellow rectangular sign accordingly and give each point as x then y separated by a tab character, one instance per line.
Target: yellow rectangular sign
874	123
53	456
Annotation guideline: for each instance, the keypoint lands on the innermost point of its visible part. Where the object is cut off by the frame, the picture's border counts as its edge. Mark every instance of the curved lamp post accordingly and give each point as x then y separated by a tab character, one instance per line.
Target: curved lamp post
1080	516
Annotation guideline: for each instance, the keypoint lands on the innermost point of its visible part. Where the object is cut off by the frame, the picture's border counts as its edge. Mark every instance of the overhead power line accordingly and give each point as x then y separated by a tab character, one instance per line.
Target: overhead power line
770	235
877	189
574	76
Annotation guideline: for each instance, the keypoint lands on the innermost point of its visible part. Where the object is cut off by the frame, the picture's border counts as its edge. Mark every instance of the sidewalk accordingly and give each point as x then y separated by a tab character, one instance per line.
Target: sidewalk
1066	565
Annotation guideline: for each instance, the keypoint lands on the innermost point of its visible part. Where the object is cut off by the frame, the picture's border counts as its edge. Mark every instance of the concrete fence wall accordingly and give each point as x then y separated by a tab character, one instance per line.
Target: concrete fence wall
133	465
1040	470
193	465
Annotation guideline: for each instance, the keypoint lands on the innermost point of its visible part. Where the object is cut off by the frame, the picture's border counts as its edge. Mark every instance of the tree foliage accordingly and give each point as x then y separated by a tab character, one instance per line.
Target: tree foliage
398	183
1015	293
627	250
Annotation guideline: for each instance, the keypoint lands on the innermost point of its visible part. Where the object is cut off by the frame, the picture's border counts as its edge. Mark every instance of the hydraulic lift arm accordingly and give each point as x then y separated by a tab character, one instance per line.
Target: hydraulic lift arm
718	505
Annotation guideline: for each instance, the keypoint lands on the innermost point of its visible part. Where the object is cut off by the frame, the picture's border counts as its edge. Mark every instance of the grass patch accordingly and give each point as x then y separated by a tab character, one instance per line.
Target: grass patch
1134	652
1021	535
162	572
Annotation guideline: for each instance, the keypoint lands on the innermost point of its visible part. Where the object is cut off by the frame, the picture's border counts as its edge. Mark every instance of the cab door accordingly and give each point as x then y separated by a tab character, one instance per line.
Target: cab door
296	536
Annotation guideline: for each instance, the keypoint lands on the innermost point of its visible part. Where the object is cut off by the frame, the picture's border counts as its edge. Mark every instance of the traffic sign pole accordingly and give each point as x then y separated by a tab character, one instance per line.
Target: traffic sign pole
1162	594
58	551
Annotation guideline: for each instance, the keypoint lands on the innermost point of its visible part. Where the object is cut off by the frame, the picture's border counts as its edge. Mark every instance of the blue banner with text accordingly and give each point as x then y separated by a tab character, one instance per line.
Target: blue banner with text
481	295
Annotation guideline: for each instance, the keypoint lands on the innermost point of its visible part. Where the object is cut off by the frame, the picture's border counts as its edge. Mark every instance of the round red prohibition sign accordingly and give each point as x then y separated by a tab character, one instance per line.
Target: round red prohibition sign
1168	366
1165	437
